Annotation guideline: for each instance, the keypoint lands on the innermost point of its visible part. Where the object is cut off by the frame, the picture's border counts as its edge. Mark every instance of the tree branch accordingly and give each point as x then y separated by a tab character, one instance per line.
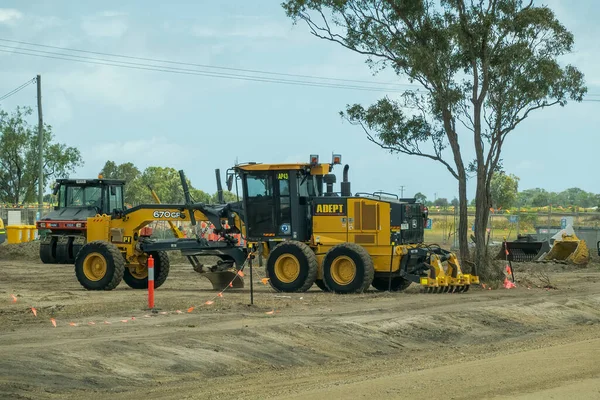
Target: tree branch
338	38
403	149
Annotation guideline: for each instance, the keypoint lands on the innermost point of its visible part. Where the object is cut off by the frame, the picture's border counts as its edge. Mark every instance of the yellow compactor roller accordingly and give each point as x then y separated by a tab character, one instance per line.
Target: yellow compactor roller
309	234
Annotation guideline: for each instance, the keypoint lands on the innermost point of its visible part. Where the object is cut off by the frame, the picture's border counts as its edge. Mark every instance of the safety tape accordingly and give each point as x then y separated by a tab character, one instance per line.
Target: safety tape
208	302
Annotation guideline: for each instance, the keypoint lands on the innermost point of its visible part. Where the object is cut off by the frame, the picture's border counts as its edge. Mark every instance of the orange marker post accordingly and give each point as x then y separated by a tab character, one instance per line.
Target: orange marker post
150	282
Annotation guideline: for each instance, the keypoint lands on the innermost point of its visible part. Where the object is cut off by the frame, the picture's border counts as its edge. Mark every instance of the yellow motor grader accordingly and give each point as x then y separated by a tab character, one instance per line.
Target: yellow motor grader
342	242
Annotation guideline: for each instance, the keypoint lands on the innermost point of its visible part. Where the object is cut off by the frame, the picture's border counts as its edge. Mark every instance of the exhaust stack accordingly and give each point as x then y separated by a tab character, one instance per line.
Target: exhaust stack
220	198
345	184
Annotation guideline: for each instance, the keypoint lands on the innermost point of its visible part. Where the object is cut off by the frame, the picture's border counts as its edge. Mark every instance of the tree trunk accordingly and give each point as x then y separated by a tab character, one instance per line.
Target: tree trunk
482	212
463	223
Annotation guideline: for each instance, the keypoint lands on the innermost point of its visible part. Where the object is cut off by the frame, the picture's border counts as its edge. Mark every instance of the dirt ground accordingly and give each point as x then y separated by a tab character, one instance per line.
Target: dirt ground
529	342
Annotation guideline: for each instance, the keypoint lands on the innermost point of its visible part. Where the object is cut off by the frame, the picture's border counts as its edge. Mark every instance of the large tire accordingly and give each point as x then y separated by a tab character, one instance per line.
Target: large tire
48	251
64	250
348	268
292	267
137	278
78	243
321	285
398	284
99	266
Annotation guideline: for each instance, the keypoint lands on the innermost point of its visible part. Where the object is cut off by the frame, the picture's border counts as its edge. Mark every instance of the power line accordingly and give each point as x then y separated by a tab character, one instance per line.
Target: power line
16	90
156	60
185	71
206	66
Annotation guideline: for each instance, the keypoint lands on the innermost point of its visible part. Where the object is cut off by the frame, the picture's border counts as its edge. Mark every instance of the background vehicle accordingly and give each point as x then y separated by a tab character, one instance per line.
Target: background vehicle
66	225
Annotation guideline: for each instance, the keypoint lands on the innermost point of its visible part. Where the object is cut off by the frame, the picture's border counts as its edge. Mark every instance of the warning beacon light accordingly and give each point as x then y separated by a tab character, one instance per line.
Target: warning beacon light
337	159
314	159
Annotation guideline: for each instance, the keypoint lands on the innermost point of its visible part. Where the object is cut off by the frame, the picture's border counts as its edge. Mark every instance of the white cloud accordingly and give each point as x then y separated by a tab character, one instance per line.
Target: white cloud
59	109
249	27
136	151
9	15
112	14
106	24
39	23
128	90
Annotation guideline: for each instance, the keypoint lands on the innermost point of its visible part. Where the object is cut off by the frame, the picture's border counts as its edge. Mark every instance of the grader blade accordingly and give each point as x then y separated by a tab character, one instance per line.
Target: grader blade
221	280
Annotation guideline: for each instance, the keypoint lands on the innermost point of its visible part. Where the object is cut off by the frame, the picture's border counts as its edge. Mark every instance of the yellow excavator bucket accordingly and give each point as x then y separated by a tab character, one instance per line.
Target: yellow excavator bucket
569	248
581	255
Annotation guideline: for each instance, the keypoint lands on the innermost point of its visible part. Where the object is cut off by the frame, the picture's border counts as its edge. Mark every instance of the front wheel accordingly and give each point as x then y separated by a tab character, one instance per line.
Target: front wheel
136	275
292	267
99	266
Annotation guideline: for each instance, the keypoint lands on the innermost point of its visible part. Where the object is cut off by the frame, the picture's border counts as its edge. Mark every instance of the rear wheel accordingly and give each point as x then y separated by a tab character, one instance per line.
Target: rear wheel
348	268
78	242
99	266
136	275
322	286
64	250
292	267
398	284
48	251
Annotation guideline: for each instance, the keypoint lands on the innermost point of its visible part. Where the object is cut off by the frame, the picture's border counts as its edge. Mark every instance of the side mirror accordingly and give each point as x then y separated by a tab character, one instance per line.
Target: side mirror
55	189
229	181
113	191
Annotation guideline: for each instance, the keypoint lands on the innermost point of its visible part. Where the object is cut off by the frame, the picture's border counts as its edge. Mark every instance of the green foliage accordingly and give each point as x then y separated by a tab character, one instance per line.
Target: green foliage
500	58
568	198
504	189
19	156
165	181
441	202
421	198
127	171
228	196
200	196
528	220
484	66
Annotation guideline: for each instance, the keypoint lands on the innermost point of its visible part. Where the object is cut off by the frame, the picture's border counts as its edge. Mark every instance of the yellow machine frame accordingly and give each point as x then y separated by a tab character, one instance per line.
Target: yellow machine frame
361	221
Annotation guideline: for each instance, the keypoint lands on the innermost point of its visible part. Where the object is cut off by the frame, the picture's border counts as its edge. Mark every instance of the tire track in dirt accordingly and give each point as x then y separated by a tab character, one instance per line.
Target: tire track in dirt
316	340
120	358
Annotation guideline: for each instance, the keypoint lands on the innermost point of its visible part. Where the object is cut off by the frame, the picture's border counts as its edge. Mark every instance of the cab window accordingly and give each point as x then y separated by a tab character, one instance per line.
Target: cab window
115	198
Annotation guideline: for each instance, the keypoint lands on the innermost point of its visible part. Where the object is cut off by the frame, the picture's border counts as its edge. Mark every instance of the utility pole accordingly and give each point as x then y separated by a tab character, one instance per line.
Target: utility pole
401	192
40	146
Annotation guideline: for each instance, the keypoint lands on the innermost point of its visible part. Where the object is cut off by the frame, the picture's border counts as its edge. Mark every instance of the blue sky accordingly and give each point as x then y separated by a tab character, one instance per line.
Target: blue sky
201	123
